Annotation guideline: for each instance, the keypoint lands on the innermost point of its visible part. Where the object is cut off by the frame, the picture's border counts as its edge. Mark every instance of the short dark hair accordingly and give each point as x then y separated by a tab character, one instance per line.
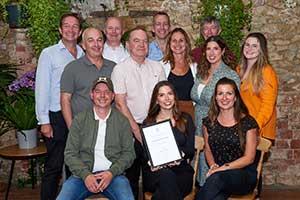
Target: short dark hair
75	15
209	20
161	13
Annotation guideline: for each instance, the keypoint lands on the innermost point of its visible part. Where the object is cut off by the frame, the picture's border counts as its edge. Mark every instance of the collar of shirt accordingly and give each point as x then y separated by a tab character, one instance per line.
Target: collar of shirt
156	44
80	52
87	61
138	65
113	48
98	118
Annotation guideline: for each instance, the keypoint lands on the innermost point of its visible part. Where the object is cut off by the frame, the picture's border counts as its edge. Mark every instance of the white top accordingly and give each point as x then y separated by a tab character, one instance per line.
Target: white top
137	82
101	162
116	54
200	89
167	68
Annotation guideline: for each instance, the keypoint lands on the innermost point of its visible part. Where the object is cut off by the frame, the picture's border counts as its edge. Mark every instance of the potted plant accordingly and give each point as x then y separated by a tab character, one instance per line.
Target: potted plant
13	12
7	75
18	110
41	17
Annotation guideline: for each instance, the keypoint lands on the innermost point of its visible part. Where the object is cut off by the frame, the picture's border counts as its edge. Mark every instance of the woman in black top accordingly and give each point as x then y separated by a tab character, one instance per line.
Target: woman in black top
174	181
179	68
230	136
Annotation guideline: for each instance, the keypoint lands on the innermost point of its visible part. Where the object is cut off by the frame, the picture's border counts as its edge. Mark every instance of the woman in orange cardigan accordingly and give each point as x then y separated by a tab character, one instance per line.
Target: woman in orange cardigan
259	85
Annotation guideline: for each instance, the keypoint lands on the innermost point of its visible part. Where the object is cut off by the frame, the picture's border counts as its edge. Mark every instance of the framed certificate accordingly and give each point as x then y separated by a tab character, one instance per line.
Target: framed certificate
160	143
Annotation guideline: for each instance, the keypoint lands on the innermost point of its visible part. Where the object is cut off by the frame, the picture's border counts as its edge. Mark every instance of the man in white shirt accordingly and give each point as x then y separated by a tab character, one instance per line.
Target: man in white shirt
134	80
113	48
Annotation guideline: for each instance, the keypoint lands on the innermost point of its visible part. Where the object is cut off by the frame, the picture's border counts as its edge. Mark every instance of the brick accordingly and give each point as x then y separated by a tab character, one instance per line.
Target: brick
20	48
284	134
283	112
281	144
297	155
296	134
269	179
294	116
285	100
282	124
295	144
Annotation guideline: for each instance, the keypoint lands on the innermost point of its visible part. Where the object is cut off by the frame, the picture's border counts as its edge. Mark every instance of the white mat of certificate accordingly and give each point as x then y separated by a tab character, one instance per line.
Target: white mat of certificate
161	143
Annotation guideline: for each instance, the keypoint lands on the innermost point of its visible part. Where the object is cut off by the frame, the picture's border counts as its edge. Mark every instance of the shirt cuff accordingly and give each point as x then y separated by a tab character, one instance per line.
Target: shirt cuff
44	119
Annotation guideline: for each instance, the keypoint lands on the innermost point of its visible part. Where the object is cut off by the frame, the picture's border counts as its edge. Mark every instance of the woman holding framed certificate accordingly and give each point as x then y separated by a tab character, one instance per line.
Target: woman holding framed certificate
173	180
231	137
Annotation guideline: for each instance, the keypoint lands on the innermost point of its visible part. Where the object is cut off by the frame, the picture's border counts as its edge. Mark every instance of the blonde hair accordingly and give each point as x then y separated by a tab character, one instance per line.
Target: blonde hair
255	76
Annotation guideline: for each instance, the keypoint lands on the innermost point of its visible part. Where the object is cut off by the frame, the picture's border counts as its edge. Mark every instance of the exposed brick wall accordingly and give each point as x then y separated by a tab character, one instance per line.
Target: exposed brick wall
15	48
280	22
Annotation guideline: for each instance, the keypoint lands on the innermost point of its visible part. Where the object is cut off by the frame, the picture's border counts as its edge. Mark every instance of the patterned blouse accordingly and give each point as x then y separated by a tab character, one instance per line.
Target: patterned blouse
203	101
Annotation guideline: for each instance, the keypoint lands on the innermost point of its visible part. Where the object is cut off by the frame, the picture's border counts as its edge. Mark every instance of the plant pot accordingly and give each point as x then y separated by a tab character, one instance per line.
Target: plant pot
14	15
27	139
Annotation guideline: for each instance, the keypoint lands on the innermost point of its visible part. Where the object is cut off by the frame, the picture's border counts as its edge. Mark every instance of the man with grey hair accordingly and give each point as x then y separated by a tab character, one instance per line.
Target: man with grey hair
113	48
78	76
209	26
134	80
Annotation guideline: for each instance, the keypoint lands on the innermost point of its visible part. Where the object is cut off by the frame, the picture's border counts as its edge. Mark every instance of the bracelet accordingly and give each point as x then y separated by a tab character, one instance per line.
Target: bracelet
215	165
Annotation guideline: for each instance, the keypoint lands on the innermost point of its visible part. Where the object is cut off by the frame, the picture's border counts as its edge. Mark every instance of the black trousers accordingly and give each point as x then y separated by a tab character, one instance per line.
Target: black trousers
220	185
55	156
169	183
133	173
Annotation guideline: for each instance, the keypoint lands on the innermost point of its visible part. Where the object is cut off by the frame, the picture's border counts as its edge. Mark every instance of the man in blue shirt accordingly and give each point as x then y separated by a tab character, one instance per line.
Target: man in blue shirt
161	29
51	64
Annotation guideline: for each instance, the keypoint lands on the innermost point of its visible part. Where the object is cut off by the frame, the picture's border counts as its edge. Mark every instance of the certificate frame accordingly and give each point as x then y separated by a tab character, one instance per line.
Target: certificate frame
160	143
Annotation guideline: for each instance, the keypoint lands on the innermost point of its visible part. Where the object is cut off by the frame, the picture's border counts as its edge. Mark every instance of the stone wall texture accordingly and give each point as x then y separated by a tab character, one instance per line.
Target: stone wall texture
279	20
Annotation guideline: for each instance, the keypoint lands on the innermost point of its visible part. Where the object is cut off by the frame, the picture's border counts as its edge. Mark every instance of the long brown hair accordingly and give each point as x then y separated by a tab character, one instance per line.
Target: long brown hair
255	75
154	108
204	66
169	57
239	107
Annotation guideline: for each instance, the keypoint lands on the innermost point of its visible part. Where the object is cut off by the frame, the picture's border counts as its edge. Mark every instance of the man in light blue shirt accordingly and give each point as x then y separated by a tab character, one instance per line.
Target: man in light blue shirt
161	29
51	64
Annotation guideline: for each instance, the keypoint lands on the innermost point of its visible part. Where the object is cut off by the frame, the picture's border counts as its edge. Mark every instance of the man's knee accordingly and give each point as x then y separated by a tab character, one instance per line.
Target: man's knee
120	181
72	188
120	187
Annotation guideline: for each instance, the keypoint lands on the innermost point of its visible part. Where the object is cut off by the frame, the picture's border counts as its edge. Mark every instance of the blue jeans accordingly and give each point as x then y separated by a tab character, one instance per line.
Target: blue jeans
75	189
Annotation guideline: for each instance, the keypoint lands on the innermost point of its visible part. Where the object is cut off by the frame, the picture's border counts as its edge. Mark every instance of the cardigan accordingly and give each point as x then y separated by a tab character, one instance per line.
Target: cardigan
262	106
